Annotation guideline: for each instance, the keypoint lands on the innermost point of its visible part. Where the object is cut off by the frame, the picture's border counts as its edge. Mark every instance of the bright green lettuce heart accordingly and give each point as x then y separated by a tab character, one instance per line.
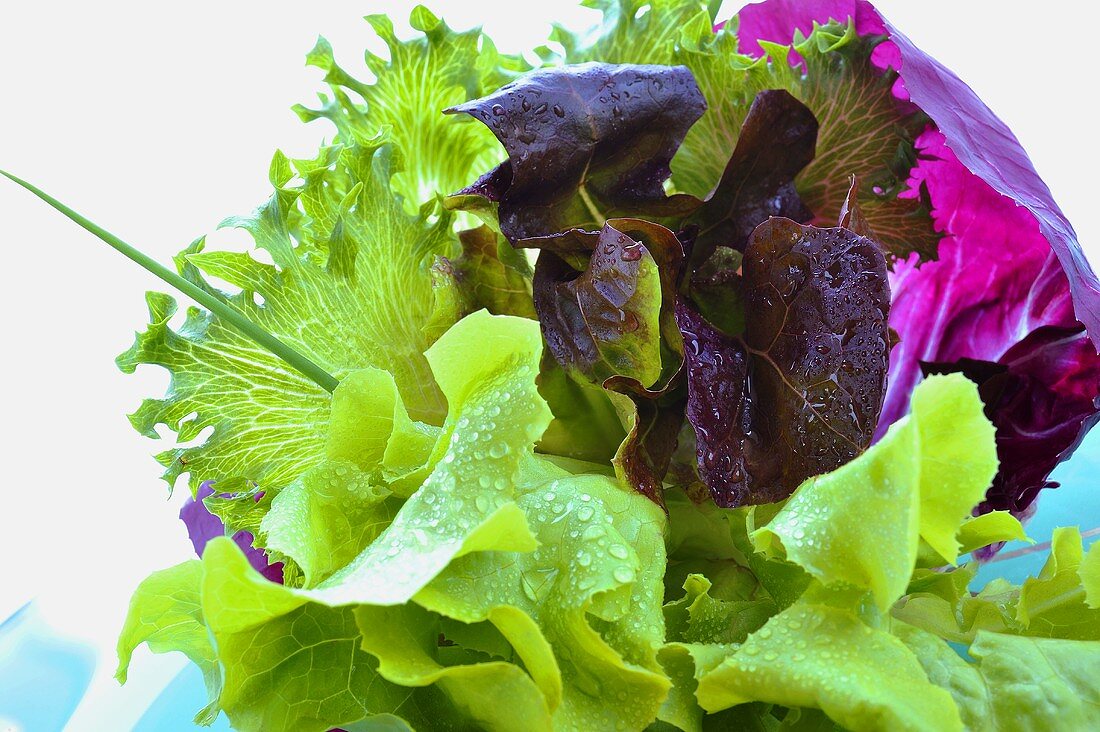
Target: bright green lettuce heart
436	69
827	658
1015	683
591	592
974	533
859	525
370	427
325	518
269	422
1054	603
497	694
942	603
989	528
166	613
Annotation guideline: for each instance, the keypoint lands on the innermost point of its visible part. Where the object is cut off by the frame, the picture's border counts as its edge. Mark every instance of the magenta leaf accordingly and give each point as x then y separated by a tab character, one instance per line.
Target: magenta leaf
202	526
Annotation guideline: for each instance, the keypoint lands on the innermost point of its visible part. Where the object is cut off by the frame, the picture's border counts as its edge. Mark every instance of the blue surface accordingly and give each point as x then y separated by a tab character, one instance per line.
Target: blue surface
174	709
42	677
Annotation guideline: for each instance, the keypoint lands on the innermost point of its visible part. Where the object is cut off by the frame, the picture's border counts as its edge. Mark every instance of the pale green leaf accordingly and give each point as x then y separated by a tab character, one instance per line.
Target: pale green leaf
496	694
1054	603
325	518
827	658
1016	683
166	613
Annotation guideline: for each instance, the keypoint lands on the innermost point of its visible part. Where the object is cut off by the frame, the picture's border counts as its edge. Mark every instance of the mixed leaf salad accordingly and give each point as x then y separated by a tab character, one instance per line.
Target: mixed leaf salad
667	383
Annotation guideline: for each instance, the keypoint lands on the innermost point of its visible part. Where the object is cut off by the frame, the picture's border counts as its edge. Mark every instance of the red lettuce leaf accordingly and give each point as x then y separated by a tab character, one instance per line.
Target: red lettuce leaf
718	409
585	143
655	417
604	321
776	142
491	274
800	394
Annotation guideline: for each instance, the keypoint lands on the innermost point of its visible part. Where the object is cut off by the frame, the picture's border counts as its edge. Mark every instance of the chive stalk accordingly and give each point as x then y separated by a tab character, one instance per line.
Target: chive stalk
222	309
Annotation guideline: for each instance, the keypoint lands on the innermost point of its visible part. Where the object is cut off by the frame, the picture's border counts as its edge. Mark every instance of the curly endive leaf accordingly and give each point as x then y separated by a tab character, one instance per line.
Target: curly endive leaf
268	420
659	22
436	69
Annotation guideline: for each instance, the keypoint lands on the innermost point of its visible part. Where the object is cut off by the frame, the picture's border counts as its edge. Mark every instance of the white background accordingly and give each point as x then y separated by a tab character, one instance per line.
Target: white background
158	120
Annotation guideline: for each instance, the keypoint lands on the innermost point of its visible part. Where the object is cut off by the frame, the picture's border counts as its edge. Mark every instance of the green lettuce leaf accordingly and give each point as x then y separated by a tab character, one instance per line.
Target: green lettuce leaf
989	528
370	427
941	603
436	69
486	367
325	518
496	694
1054	603
920	480
591	592
826	657
698	617
1090	575
1015	683
269	422
293	664
166	614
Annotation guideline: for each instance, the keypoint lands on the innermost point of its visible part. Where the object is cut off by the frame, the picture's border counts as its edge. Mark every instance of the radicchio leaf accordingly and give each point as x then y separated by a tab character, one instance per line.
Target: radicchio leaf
1040	421
776	142
202	526
585	143
801	393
